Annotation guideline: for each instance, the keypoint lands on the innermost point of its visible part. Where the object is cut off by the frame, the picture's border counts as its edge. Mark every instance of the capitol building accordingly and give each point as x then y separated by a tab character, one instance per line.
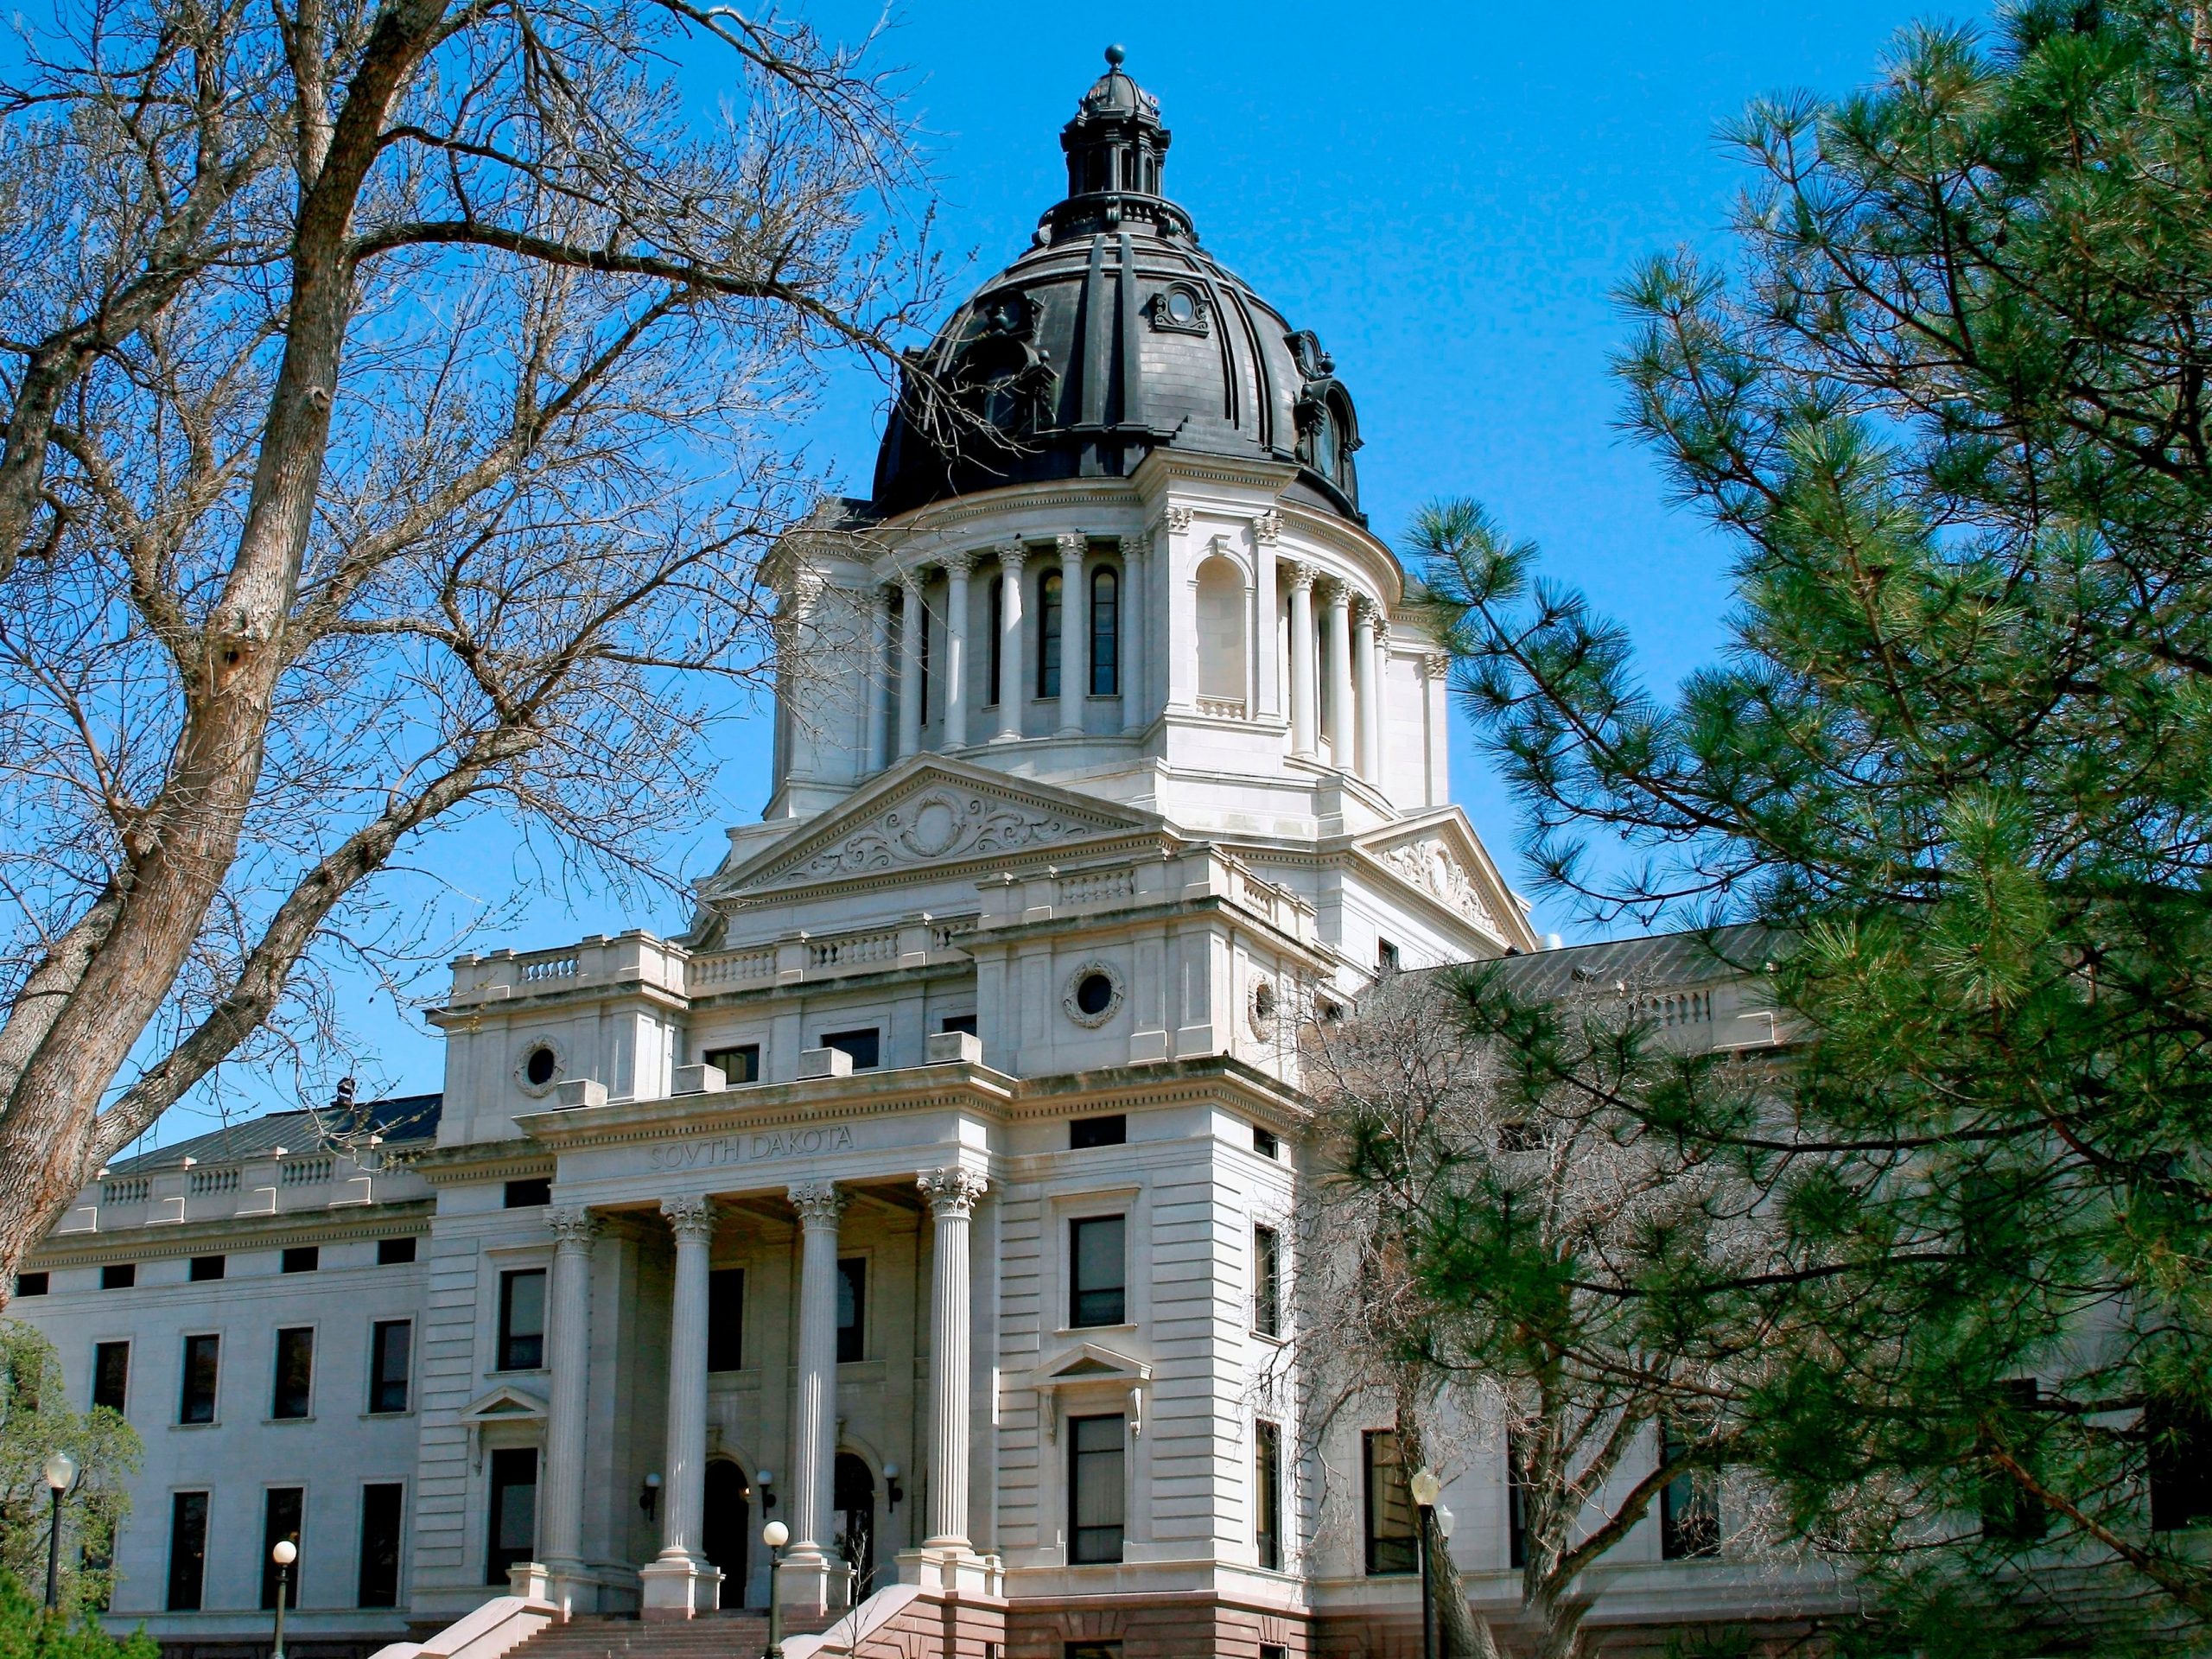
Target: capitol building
936	1193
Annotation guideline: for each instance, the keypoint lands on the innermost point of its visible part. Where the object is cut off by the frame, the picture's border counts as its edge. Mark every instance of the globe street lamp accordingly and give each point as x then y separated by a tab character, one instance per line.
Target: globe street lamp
283	1554
775	1535
61	1472
1427	1489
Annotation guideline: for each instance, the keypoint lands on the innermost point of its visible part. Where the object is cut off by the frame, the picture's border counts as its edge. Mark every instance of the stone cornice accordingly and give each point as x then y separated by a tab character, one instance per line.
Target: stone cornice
490	1160
404	1218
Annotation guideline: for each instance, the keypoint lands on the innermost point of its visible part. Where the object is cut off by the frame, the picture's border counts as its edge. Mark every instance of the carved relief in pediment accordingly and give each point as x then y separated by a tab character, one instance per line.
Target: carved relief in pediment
1435	870
936	826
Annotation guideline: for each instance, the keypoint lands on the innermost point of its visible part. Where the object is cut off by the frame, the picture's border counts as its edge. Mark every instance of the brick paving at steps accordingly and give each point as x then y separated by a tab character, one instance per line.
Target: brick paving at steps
719	1635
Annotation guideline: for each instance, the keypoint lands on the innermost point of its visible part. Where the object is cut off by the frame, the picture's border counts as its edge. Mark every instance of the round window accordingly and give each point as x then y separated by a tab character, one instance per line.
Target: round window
1182	306
1263	1009
1094	993
539	1066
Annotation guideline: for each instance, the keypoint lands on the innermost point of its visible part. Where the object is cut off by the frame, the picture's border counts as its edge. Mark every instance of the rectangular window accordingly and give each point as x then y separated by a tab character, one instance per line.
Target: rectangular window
963	1022
187	1550
205	1267
110	1375
119	1275
294	1385
1097	1251
395	1252
998	633
1266	1494
522	1320
1690	1507
1048	634
379	1584
1105	633
280	1520
391	1346
302	1258
1090	1650
1095	1497
529	1192
1391	1545
726	1319
1265	1143
852	1310
739	1065
1516	1504
863	1045
196	1398
1267	1281
1386	957
2009	1514
1111	1130
513	1523
32	1284
2178	1440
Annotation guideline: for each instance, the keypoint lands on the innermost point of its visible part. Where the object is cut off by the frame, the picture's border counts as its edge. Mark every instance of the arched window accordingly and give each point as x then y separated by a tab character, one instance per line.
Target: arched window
1048	635
1105	633
998	629
1221	636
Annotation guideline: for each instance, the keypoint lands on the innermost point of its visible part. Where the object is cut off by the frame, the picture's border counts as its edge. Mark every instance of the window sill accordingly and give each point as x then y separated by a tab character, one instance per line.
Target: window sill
272	1422
378	1416
1274	1339
213	1423
1094	1330
525	1371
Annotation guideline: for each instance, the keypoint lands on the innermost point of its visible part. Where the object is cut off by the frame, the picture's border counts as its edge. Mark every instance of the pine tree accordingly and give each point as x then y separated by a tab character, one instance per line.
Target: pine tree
1950	411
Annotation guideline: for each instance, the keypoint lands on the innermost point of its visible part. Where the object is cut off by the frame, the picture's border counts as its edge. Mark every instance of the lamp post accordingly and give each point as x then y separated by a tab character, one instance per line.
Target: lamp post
1427	1488
61	1472
775	1535
283	1554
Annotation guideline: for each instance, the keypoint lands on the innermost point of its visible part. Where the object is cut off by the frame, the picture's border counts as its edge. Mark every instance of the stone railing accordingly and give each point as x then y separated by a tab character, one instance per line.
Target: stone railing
1222	707
127	1189
851	950
203	1183
1097	886
757	962
303	1172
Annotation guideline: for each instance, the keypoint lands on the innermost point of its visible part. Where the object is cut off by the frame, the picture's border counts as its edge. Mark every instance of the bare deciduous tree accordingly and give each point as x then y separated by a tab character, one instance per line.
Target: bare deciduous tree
394	401
1511	1263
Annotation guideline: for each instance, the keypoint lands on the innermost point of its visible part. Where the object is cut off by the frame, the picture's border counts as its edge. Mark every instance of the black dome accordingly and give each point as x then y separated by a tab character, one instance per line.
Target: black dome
1114	336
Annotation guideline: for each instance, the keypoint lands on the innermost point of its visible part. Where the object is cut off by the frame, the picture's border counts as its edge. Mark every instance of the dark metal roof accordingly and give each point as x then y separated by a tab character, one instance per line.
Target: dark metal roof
1692	957
1114	336
402	1118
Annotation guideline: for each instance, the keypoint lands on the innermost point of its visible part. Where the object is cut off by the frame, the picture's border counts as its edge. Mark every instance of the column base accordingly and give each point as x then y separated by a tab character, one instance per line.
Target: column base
679	1586
569	1584
952	1570
811	1585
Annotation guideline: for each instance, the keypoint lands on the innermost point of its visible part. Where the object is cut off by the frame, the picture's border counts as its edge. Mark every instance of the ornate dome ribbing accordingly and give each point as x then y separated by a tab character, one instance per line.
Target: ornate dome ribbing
1113	335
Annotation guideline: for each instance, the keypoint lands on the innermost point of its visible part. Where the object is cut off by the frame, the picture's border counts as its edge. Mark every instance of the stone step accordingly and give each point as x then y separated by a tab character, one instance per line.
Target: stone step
720	1636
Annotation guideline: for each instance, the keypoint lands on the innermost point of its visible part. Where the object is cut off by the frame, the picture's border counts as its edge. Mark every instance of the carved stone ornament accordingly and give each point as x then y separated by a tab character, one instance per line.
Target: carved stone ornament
1069	998
952	1191
1302	575
1178	519
1179	309
1264	1009
574	1227
1430	866
818	1203
690	1217
1012	557
1073	544
1267	529
935	826
1436	665
530	1046
958	564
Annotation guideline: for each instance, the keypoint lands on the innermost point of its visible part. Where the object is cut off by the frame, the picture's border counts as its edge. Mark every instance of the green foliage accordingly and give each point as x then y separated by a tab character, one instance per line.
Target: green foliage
35	1421
1951	412
28	1631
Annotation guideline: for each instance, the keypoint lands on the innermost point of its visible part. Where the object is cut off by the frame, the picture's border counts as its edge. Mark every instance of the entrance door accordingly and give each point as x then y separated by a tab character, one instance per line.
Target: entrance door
726	1530
854	1499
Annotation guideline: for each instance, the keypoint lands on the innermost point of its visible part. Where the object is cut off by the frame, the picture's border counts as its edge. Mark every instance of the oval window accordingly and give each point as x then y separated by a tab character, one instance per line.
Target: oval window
1181	306
1094	993
540	1067
1264	1001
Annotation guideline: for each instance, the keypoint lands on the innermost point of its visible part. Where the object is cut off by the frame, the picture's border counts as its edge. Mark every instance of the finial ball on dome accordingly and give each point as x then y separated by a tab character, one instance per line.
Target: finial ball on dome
1114	54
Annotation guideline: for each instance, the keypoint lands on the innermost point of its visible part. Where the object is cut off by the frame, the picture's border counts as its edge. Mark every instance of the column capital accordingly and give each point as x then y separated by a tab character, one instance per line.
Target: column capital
818	1203
574	1227
1435	665
1073	544
1136	546
1367	611
910	581
690	1217
952	1191
1302	577
1178	519
1267	528
1336	591
958	564
1012	557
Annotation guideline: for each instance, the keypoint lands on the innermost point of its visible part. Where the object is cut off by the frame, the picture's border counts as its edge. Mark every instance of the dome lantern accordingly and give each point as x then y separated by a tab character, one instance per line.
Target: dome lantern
1116	149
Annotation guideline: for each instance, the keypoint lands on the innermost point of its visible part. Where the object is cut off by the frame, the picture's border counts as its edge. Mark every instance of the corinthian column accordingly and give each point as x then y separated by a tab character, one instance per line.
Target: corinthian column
1305	688
1075	657
571	1318
957	566
1013	678
952	1194
879	676
1136	618
679	1583
1367	629
814	1429
911	624
1340	709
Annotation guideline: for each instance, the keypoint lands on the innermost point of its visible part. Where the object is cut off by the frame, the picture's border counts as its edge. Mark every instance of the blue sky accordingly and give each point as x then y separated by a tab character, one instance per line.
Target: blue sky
1447	194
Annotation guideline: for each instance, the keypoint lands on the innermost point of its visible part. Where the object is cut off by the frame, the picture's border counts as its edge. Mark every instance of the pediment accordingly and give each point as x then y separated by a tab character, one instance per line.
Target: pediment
1089	1362
929	810
1439	855
504	1404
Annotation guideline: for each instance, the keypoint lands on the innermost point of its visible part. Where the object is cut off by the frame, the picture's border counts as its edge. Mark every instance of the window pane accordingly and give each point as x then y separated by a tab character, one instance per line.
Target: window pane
378	1585
726	1319
110	1375
389	1349
998	633
1048	635
295	1373
1095	1488
196	1403
280	1519
1266	1479
2178	1440
866	1047
852	1310
1105	634
1390	1544
1267	1281
1689	1509
513	1511
522	1320
187	1550
1100	1278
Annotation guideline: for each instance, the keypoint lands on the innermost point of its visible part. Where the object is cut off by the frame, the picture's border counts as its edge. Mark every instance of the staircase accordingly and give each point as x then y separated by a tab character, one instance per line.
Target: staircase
718	1635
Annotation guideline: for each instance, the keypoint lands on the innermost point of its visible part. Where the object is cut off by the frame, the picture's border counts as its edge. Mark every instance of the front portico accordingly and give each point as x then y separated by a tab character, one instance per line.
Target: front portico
751	1165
